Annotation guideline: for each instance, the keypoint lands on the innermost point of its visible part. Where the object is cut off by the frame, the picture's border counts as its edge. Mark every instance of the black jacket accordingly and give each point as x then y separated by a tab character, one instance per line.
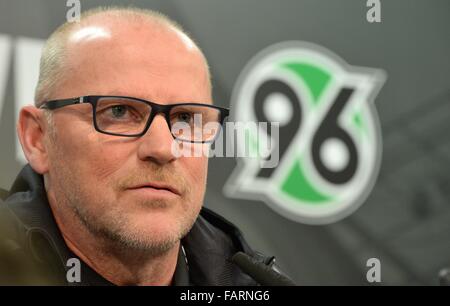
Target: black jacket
32	250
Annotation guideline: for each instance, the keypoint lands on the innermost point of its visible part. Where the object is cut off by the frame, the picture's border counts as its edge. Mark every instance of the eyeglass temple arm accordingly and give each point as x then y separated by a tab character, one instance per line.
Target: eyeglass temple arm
61	103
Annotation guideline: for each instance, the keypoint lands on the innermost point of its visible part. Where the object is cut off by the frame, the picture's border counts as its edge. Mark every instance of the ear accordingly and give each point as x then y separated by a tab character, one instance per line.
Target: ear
31	131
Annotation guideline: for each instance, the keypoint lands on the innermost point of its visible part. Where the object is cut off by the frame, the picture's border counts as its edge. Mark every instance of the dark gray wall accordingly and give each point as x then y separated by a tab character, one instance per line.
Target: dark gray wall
406	220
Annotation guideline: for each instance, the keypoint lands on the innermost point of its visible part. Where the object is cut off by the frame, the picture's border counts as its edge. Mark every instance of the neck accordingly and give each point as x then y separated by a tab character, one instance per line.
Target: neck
118	265
122	267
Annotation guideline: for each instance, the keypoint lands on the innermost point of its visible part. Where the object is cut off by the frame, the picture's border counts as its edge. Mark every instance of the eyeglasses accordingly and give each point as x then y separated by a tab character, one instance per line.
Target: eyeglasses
132	117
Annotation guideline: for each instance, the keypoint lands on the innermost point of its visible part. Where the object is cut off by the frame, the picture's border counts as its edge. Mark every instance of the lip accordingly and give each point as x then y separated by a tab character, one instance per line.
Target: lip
157	187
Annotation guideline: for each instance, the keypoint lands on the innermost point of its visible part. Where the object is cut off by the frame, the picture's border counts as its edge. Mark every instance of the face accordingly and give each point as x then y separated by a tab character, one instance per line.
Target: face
99	177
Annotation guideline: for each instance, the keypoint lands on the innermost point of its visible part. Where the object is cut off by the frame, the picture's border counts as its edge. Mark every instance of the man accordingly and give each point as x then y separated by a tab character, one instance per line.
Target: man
103	184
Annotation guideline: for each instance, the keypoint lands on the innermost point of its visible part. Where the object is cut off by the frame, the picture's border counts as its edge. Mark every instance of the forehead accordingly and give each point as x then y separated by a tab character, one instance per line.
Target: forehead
133	58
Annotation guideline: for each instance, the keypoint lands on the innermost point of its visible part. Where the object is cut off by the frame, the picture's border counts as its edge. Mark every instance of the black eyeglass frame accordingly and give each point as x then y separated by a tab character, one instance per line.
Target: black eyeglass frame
155	109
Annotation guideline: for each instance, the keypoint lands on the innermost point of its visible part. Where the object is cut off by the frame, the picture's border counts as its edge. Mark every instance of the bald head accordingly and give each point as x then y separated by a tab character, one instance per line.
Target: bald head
107	35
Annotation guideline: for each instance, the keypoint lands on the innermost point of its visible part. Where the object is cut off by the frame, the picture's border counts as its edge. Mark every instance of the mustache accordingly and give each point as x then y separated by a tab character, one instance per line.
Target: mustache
165	175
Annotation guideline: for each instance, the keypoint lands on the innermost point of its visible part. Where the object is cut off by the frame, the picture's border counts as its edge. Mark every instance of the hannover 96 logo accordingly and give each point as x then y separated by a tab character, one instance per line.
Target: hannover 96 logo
329	142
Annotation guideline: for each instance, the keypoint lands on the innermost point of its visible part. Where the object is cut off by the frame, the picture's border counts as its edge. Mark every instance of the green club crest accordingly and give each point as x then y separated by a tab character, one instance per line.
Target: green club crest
329	140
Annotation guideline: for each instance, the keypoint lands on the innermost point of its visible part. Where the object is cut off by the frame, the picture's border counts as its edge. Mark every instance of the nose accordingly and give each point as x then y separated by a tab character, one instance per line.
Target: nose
156	144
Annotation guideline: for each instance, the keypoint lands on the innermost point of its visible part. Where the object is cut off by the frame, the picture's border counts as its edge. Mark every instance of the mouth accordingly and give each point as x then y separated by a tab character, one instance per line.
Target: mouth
157	188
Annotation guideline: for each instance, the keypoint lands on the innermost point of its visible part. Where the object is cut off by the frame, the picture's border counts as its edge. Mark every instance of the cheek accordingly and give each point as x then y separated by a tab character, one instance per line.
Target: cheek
91	156
196	172
104	160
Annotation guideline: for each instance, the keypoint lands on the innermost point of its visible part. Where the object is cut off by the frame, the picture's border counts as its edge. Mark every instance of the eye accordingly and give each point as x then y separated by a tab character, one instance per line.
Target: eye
184	117
118	111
